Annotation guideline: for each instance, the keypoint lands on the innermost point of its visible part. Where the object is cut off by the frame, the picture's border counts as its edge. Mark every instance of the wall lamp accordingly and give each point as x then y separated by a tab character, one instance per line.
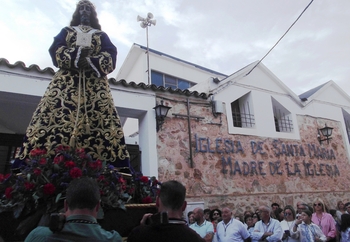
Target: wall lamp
161	113
324	132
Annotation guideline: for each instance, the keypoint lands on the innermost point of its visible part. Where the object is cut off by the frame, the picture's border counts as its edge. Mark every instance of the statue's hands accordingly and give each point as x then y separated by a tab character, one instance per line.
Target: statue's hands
83	63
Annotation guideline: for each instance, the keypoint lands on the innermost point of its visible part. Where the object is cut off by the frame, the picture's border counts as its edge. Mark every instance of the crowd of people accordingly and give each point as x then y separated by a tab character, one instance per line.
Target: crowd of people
85	56
305	223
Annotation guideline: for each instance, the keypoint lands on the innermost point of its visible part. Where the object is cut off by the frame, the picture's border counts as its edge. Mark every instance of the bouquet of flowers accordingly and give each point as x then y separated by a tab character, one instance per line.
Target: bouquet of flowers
147	189
43	181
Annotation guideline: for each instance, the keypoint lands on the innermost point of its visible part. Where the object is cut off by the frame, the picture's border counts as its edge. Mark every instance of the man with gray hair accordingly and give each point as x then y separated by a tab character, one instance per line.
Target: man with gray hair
231	229
203	227
267	229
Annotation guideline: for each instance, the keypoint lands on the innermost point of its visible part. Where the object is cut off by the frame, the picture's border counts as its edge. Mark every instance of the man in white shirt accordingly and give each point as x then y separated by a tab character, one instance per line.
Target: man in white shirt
203	227
230	229
267	229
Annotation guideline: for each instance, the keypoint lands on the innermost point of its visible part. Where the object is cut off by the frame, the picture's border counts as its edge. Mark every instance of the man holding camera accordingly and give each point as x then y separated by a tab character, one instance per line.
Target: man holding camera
168	224
79	222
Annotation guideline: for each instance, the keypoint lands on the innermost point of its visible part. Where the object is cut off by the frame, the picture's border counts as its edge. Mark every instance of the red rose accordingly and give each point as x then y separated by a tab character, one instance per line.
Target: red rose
144	179
37	171
49	189
37	152
29	186
7	176
81	153
58	159
75	173
131	190
101	178
62	148
2	177
42	161
81	150
8	192
121	180
96	165
69	164
146	199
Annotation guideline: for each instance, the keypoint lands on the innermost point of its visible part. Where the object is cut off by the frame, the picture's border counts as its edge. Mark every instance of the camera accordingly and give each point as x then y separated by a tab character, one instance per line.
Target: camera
57	221
158	218
287	232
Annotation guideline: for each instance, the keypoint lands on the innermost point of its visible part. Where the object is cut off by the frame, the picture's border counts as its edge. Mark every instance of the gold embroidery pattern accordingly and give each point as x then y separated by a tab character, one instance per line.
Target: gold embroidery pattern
53	121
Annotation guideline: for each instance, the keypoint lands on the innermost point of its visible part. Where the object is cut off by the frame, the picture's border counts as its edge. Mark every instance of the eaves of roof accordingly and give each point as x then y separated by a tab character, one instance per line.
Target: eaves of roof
156	88
34	67
112	81
309	93
180	60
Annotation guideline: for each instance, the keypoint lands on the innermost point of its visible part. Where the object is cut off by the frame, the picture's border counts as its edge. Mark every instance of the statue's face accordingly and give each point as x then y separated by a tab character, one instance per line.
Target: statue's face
85	12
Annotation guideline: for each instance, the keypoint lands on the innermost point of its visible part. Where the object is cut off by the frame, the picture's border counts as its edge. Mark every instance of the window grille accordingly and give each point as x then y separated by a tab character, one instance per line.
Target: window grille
242	118
283	123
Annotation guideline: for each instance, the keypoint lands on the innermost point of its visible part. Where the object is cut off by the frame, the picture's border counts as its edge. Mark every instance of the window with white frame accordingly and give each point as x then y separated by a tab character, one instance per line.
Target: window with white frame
242	112
161	79
282	117
346	117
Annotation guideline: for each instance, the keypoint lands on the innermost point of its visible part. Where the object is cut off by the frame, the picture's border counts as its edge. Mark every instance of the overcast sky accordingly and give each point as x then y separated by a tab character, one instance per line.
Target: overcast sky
222	35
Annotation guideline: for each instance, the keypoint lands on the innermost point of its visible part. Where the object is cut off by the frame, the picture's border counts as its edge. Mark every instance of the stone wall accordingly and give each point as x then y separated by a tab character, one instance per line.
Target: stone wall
242	171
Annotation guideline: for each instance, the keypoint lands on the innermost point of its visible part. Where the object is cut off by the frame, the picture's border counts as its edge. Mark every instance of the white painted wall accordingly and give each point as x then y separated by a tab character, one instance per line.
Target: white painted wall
26	85
135	67
140	104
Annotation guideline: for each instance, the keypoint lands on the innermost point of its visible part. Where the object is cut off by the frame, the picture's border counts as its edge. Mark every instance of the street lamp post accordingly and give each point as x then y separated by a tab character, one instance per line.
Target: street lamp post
145	23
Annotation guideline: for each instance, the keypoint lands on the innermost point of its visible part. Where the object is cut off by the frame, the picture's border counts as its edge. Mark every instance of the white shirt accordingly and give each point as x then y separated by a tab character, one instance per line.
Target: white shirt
273	226
288	225
234	230
205	228
307	233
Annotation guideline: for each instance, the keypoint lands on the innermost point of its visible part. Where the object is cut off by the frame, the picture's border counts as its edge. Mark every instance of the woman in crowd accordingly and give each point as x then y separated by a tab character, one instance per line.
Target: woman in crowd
248	220
340	211
345	228
215	224
324	220
215	214
306	230
190	217
279	214
288	223
256	218
333	212
215	217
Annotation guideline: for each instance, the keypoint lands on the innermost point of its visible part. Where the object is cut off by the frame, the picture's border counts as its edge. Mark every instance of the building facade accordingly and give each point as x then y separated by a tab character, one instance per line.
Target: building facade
237	140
